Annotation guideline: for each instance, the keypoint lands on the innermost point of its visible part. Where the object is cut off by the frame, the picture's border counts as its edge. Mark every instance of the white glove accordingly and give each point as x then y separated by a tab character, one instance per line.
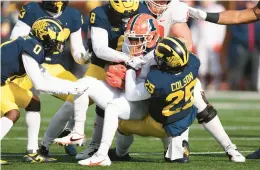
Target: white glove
135	62
197	13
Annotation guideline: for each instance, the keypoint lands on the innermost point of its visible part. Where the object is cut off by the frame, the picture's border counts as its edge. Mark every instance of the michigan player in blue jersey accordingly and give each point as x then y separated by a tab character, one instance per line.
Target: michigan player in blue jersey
60	63
22	57
171	87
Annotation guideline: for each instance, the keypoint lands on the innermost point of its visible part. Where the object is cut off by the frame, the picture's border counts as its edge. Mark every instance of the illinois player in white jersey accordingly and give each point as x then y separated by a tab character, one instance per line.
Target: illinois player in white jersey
172	22
142	35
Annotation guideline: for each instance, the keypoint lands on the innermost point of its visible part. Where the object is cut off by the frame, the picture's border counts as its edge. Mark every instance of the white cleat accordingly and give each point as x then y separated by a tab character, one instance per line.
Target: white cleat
96	160
87	153
233	154
71	139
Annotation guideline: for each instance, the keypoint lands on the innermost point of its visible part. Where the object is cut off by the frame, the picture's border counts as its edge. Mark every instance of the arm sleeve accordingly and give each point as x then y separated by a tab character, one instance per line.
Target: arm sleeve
42	81
20	29
99	38
135	91
77	48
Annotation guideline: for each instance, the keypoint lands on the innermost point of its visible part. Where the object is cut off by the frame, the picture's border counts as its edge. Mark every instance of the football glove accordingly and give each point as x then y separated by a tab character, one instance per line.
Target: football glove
118	70
197	13
135	63
114	81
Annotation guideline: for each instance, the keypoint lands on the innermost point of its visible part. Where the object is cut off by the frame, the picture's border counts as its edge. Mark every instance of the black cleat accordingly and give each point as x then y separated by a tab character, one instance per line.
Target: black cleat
37	158
43	151
65	132
114	157
186	154
254	155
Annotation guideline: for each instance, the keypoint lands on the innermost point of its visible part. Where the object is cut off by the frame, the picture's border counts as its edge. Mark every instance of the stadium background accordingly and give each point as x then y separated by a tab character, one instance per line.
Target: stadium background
238	111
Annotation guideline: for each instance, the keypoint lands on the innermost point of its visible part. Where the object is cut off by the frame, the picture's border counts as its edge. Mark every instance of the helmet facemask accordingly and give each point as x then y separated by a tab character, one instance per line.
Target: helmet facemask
157	7
137	43
55	6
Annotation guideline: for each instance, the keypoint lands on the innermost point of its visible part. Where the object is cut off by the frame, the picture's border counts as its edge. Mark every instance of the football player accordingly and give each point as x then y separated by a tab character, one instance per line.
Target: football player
142	35
107	23
72	20
228	17
22	57
171	22
207	115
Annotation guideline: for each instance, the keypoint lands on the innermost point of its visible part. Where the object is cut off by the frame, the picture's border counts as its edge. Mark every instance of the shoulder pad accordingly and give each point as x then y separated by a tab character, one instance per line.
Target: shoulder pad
33	48
28	13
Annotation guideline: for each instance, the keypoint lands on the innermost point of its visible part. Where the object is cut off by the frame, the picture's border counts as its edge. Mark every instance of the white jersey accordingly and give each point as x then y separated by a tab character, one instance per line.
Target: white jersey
177	12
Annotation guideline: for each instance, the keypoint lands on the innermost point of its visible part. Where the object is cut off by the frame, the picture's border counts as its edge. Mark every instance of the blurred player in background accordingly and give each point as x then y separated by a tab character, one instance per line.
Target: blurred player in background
208	46
227	18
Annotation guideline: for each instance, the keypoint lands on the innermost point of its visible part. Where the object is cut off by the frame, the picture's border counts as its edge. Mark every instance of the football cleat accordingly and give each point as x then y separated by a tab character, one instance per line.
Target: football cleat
37	158
43	151
186	154
233	154
114	157
96	160
70	149
71	139
254	155
2	162
87	153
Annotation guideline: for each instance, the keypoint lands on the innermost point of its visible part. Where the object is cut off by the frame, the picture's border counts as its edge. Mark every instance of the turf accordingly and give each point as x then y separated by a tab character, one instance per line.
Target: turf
242	123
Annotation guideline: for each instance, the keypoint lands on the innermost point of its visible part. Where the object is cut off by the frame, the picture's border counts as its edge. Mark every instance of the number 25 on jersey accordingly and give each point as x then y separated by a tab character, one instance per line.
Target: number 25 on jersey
185	95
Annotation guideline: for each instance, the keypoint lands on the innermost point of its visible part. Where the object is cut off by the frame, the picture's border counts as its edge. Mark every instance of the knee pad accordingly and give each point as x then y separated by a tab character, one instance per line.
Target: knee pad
34	105
100	112
207	114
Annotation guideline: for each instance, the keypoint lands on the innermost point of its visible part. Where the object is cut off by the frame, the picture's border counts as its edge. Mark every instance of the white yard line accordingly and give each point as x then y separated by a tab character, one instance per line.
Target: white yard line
139	153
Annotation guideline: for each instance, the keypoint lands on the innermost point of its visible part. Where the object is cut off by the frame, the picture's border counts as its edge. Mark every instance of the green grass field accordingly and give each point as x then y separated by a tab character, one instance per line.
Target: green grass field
239	113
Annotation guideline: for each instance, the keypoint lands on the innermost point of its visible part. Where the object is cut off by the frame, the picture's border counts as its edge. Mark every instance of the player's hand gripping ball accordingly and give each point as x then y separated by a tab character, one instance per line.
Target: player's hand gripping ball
118	70
115	76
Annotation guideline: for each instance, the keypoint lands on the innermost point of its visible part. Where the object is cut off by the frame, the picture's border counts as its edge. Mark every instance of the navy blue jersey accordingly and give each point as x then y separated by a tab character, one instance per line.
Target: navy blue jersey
85	25
11	56
70	18
172	94
99	18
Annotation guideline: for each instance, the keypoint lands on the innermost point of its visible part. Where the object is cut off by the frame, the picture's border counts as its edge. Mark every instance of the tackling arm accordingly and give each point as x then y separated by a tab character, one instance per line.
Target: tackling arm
135	91
99	38
43	81
229	16
78	50
182	31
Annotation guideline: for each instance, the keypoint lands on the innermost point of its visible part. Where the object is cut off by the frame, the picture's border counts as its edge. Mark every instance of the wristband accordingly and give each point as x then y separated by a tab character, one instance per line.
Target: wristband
212	17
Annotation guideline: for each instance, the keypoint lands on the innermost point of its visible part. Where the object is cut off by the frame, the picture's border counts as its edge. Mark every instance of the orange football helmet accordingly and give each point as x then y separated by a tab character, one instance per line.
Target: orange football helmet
142	32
